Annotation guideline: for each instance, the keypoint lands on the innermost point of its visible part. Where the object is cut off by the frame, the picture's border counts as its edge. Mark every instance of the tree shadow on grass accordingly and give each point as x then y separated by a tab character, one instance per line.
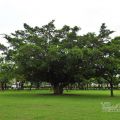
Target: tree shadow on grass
79	96
69	95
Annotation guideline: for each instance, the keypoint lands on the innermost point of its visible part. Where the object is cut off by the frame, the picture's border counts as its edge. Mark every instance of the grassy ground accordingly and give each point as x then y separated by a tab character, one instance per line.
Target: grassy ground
41	105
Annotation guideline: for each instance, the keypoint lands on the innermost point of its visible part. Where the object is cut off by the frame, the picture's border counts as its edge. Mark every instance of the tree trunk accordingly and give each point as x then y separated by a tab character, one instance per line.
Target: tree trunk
5	86
22	86
37	85
2	86
111	88
99	86
87	86
58	90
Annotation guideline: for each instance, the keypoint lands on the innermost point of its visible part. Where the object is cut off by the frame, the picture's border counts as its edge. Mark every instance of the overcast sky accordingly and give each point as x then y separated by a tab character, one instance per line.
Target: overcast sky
87	14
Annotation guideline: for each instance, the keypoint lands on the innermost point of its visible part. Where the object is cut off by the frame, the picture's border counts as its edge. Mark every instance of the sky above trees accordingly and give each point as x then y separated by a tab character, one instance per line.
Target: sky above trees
88	14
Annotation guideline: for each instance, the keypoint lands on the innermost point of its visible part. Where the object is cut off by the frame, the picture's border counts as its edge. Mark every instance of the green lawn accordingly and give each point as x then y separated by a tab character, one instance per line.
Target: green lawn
42	105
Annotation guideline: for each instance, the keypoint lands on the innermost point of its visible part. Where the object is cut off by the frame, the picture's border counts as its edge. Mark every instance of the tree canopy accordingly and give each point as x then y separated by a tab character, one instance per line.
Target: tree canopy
62	56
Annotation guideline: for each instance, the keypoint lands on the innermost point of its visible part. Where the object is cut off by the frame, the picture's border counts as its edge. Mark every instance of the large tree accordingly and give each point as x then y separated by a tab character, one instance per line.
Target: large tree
60	56
107	65
40	54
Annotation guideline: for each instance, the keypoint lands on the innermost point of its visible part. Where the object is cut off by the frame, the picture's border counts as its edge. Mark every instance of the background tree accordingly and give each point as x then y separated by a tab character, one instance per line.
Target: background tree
108	64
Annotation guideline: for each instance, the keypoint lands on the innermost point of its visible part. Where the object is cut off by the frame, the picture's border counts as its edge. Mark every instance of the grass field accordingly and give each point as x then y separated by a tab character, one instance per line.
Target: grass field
42	105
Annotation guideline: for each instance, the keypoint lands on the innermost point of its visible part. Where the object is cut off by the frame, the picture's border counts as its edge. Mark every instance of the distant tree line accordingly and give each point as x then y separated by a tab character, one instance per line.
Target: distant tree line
61	57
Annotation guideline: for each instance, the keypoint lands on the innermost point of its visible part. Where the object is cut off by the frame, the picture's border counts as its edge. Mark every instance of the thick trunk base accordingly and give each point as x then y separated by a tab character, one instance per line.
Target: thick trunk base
111	90
58	90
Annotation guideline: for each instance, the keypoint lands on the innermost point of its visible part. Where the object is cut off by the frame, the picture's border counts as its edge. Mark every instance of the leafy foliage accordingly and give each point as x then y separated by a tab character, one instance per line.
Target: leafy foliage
62	57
